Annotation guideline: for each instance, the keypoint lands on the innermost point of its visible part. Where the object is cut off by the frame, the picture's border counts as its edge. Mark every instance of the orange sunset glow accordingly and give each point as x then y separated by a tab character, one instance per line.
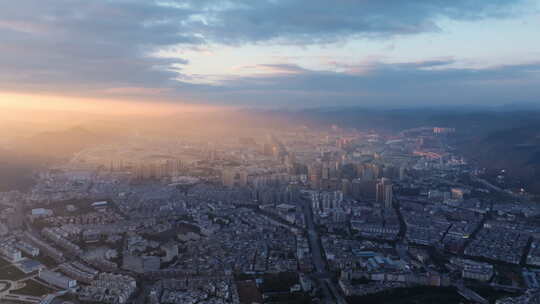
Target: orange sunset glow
95	105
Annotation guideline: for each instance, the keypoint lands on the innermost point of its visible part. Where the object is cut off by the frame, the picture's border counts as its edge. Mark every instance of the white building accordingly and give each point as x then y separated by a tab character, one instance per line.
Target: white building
11	253
28	249
477	271
41	212
57	279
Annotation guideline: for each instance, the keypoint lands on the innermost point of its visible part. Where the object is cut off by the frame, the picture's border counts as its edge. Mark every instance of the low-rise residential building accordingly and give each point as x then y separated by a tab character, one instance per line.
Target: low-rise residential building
57	279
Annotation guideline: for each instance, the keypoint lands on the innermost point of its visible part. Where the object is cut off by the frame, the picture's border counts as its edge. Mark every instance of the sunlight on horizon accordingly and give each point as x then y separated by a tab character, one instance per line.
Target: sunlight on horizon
103	106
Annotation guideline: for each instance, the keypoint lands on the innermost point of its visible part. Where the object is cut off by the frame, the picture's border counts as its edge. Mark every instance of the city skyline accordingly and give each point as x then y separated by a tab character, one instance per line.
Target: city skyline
270	152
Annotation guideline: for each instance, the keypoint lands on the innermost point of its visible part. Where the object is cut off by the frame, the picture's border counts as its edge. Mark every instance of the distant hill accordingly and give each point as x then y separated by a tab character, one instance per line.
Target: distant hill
16	170
466	121
25	155
61	144
517	150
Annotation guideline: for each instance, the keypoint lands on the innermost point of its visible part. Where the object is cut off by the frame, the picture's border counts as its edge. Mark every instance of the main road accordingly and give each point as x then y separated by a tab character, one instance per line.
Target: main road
495	188
332	293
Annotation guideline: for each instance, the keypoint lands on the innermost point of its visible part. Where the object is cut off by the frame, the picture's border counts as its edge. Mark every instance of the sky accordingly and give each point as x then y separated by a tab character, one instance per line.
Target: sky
269	53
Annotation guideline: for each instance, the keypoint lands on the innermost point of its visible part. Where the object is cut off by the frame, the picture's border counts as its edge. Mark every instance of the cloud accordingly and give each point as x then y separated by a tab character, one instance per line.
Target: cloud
83	46
100	47
395	84
322	21
271	69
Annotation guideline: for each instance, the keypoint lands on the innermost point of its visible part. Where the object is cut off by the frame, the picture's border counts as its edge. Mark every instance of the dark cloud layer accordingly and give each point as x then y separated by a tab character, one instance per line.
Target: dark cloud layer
79	44
300	21
399	84
103	47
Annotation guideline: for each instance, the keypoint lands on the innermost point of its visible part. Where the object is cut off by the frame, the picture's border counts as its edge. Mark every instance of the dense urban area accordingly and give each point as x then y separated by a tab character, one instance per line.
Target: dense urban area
301	215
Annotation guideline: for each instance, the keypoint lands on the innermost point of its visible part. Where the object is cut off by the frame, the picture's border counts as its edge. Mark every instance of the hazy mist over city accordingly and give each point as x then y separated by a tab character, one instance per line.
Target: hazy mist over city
269	151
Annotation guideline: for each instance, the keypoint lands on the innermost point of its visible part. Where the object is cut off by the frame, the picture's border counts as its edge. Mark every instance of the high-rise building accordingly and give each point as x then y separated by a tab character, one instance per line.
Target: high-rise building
290	159
276	152
267	149
346	187
293	192
384	193
325	172
364	189
458	193
369	171
388	196
402	173
326	201
315	175
315	202
15	217
234	177
390	172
